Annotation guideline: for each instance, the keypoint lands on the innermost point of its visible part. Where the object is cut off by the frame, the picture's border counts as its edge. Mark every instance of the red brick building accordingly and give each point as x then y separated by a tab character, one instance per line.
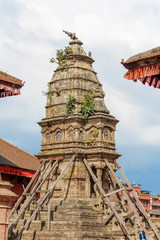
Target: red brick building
155	206
144	197
150	202
16	166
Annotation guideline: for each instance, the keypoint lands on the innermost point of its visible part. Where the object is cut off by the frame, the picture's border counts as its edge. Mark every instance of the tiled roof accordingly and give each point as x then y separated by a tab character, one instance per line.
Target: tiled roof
12	156
10	79
9	85
145	67
151	56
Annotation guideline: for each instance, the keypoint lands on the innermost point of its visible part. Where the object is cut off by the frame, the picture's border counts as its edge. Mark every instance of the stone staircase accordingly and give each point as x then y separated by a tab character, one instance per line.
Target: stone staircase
71	219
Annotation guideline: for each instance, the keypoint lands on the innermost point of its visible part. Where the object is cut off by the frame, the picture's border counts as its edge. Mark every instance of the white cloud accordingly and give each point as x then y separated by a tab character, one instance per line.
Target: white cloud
151	135
133	128
128	113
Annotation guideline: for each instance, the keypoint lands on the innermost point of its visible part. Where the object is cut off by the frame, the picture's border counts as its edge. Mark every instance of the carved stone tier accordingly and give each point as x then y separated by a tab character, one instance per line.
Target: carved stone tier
64	135
77	77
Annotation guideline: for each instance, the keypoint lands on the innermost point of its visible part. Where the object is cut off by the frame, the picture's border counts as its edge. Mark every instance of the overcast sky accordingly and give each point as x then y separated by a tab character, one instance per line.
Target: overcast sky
30	34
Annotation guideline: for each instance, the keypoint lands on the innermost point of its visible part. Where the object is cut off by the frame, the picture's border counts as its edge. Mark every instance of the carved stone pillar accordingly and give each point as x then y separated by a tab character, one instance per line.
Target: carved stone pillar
99	175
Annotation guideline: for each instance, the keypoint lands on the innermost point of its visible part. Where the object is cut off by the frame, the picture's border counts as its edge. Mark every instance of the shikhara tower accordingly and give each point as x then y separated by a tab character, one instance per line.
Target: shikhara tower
62	136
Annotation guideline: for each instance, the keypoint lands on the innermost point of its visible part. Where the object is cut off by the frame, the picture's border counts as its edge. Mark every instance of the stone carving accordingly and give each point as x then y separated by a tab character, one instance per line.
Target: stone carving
93	133
58	135
99	206
56	172
71	35
106	134
48	136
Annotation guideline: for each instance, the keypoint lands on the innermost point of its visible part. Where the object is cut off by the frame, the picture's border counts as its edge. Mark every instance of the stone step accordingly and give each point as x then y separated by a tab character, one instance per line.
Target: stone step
88	229
71	219
65	206
66	235
37	224
63	215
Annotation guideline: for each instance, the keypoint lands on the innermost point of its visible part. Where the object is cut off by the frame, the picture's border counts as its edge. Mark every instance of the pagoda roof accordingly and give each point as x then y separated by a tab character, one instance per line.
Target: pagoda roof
142	59
145	67
13	157
9	85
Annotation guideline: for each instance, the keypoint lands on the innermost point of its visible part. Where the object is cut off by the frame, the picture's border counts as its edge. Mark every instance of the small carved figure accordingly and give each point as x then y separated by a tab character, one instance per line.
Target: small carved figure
48	135
89	54
99	206
106	133
71	35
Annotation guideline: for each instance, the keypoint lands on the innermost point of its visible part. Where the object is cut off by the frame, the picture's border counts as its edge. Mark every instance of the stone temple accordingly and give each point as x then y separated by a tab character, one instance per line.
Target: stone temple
91	138
76	122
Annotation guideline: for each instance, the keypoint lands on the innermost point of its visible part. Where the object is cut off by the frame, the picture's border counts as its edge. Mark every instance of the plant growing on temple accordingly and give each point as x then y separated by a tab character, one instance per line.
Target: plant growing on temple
87	106
70	105
105	144
49	92
92	140
61	57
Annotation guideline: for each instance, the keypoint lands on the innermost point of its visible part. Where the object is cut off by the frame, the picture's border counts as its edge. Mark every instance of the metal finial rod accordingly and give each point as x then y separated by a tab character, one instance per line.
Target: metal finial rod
71	35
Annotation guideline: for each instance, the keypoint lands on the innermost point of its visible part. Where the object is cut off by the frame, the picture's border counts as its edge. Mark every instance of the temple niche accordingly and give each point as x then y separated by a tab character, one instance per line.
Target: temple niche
71	134
80	134
58	135
48	135
106	134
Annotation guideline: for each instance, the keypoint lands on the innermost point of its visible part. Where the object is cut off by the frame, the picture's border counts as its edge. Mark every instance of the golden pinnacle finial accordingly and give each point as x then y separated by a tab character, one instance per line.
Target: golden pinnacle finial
71	35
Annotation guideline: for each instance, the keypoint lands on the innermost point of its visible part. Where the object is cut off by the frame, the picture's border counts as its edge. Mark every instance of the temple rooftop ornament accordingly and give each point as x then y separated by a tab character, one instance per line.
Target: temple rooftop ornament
145	67
71	35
